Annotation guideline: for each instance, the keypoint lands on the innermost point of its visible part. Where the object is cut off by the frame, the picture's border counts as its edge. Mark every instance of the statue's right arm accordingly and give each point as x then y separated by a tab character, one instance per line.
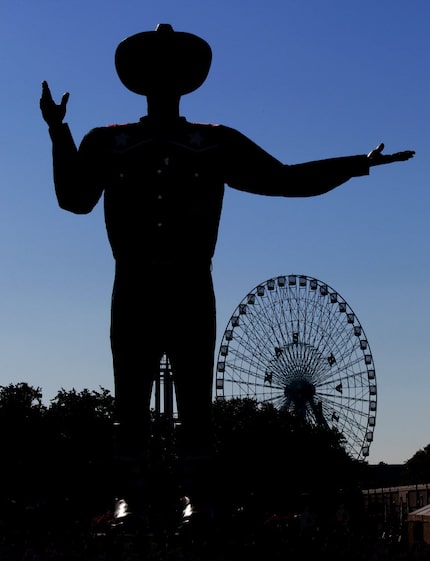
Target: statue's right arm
75	187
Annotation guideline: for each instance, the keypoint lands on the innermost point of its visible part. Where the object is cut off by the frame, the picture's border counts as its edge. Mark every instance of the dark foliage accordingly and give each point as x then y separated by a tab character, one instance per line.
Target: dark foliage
270	469
417	468
60	457
276	459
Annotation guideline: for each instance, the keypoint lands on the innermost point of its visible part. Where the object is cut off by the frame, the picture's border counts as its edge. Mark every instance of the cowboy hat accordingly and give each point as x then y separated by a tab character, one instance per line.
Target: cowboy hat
155	60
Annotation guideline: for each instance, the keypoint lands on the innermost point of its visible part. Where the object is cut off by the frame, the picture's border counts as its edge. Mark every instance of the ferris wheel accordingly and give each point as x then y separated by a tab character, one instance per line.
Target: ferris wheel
293	341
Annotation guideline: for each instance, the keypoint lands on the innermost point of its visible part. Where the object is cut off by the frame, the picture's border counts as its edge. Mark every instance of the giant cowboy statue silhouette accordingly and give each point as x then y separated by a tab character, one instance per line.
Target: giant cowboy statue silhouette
163	181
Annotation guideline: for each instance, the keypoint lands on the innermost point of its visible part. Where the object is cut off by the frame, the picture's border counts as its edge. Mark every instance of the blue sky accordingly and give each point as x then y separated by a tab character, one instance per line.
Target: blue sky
304	79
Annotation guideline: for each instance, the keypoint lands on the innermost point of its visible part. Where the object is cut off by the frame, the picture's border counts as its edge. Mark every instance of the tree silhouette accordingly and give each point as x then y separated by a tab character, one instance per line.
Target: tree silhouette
60	458
417	468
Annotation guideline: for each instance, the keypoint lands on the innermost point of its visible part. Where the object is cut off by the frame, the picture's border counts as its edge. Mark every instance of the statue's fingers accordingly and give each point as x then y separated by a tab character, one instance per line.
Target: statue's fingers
46	92
376	151
64	100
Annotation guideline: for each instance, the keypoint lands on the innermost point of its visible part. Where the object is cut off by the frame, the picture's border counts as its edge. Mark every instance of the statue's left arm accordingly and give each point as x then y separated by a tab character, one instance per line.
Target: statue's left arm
250	168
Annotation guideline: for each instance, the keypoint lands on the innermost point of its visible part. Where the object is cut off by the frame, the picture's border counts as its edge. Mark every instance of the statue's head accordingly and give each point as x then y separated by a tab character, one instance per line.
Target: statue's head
163	60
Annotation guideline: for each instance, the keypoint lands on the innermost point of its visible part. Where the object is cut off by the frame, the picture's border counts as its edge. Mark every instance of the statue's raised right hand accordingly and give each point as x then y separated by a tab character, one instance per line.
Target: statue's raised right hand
52	113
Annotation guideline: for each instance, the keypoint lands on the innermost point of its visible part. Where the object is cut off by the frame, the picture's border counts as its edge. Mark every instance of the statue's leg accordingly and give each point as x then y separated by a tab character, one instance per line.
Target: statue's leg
191	352
136	360
191	339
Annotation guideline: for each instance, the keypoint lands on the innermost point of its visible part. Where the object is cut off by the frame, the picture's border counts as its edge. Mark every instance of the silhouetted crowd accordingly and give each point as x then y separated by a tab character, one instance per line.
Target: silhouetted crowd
29	534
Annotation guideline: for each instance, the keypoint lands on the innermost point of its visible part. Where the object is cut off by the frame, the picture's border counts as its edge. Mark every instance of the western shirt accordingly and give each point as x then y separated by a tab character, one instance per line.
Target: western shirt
163	185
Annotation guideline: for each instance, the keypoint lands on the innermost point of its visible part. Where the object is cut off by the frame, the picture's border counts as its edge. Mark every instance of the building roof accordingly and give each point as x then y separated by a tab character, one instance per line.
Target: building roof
421	514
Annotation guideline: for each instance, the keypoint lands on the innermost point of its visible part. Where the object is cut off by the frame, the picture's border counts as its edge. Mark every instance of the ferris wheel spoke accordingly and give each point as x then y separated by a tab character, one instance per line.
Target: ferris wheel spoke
344	372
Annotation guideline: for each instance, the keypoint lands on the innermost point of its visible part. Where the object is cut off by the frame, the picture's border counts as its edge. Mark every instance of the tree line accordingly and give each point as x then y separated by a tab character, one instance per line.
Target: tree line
63	455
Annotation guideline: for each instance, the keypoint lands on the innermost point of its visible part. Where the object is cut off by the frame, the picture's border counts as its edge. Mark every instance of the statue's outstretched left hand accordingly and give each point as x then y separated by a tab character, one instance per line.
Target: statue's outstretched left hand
376	158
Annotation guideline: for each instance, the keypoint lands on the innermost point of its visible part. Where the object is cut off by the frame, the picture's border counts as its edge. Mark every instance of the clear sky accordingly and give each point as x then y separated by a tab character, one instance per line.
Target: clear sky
304	79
